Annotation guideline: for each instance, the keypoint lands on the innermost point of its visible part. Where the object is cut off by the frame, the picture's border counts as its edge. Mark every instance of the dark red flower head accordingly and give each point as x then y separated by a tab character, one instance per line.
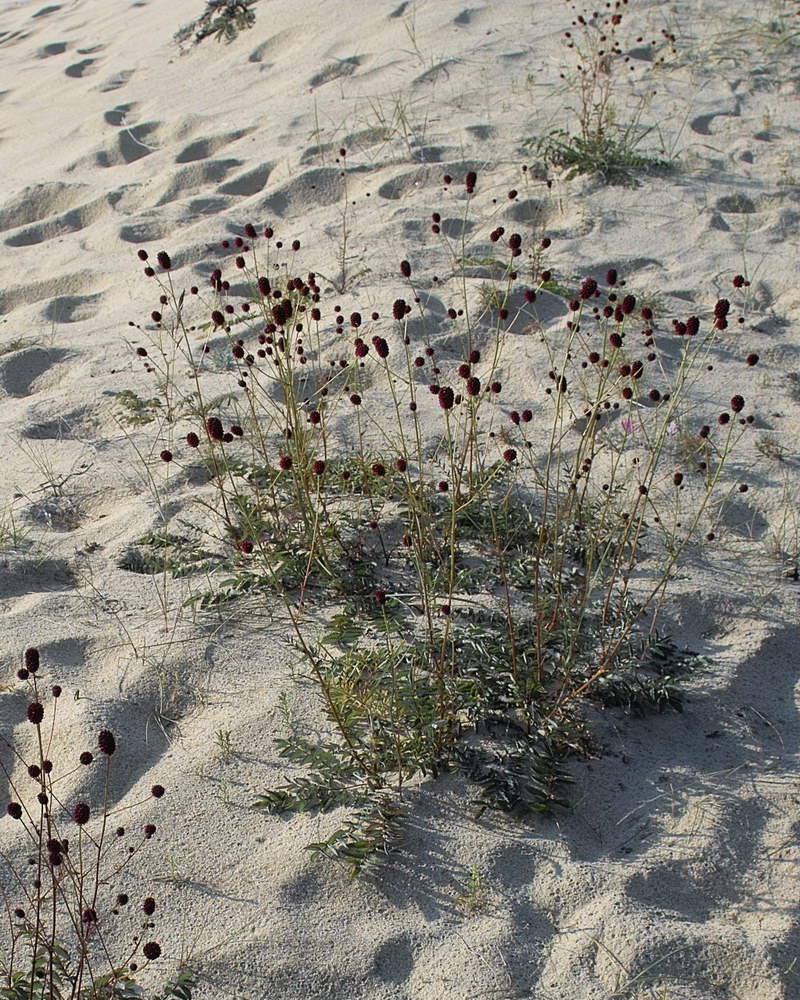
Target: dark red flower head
214	429
80	814
163	260
157	791
14	810
446	398
405	268
35	713
737	404
106	742
399	309
32	659
151	951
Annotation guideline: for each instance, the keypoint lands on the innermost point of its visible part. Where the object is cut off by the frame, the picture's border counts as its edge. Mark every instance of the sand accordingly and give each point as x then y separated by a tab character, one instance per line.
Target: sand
676	870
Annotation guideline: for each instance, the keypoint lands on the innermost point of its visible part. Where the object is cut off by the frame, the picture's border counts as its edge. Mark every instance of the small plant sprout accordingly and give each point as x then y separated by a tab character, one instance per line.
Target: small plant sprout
222	739
473	897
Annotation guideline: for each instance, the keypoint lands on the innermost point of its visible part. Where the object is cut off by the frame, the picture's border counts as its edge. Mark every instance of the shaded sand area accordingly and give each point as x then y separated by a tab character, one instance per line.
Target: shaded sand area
675	872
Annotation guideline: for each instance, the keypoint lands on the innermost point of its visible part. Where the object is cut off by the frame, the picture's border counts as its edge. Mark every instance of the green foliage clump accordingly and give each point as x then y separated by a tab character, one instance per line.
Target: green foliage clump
223	19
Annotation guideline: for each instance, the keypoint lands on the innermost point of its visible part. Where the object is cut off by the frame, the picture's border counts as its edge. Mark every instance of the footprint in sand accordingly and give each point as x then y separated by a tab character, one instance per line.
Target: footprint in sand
76	425
146	231
45	11
205	206
702	123
482	132
248	184
273	46
202	149
439	71
130	145
72	308
402	185
196	178
323	186
19	371
116	81
81	69
69	222
53	49
55	513
38	202
336	70
736	204
21	578
122	114
394	960
29	293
